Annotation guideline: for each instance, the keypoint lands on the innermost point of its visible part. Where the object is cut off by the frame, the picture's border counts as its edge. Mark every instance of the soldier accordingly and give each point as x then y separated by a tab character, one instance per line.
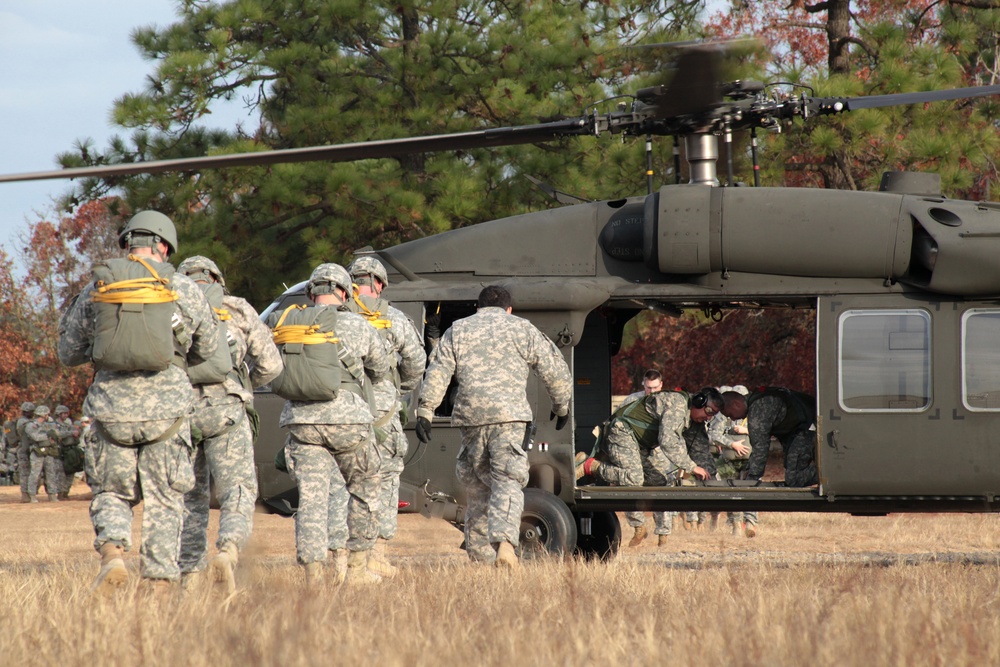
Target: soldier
8	452
139	448
490	355
327	352
670	420
68	433
225	448
787	415
406	361
731	450
24	449
42	434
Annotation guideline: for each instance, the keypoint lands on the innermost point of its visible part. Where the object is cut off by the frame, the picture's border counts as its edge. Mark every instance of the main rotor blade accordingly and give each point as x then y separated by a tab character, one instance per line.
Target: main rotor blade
365	150
874	101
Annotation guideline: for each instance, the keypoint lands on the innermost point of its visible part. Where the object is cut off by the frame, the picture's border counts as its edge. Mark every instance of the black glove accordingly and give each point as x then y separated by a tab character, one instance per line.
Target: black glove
423	429
560	421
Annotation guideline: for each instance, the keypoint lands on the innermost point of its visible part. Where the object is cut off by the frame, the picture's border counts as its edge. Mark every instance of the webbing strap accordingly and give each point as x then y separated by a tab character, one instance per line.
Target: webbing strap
166	435
136	290
374	317
307	334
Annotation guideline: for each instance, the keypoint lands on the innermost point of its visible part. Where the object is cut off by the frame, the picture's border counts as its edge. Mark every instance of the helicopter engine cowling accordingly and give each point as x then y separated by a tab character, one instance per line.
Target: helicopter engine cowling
934	243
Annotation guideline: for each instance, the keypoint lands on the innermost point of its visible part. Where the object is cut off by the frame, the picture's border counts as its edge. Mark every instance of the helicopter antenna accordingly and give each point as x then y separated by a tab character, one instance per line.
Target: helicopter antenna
753	156
649	164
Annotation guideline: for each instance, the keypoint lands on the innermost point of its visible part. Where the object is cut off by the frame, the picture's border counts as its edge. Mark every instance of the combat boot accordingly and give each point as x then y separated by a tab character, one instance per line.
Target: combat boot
713	523
223	567
357	570
157	589
25	498
638	536
339	566
506	558
32	498
587	467
737	528
662	540
113	574
751	530
314	575
192	582
64	495
53	498
377	563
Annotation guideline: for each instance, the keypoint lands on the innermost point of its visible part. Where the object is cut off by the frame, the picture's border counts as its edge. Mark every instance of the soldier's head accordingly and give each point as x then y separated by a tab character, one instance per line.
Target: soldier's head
368	272
41	412
329	284
705	404
735	406
201	270
27	408
494	296
652	382
62	412
149	233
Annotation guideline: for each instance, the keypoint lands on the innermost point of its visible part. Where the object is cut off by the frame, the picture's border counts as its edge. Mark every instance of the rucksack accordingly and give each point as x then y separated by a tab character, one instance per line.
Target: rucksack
137	327
73	459
375	311
315	361
225	359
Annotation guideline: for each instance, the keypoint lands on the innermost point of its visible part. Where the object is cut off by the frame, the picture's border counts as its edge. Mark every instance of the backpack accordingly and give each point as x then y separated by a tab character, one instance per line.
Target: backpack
375	311
72	459
137	327
316	363
225	359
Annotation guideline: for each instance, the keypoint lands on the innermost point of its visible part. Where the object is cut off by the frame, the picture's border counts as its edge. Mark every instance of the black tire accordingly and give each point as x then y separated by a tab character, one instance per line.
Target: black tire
547	526
605	536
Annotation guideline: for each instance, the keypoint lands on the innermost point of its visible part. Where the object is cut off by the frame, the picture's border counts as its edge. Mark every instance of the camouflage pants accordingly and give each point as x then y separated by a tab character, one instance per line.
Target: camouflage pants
321	457
24	466
655	468
224	456
800	459
392	452
493	468
52	466
157	474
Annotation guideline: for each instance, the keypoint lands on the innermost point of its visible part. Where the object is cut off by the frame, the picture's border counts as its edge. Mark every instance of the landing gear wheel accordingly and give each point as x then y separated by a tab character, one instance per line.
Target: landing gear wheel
547	526
605	535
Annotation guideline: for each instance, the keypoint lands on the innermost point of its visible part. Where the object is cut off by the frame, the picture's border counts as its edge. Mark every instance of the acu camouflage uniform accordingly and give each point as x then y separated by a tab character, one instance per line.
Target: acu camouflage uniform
44	439
331	444
657	464
627	461
8	453
406	360
722	436
225	452
131	410
790	417
490	354
23	452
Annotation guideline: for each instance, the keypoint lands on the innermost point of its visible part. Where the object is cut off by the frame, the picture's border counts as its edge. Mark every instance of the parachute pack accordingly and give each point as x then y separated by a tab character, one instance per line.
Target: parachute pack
317	365
226	359
137	324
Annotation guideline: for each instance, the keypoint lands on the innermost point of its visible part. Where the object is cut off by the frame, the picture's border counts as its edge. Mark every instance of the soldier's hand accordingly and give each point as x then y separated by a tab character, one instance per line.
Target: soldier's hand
700	473
432	325
560	420
740	448
423	429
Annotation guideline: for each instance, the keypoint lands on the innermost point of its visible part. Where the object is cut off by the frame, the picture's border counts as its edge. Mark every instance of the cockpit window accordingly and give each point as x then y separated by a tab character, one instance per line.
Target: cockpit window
884	361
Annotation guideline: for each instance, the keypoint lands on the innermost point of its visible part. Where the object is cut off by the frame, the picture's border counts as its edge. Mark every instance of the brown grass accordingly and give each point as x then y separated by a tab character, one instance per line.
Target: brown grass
811	589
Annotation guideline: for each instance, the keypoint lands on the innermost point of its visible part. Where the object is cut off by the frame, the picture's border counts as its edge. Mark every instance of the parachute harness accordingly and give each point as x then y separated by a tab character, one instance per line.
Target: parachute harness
307	334
136	290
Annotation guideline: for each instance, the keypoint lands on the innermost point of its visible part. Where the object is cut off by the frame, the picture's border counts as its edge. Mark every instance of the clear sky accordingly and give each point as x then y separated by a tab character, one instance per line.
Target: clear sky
64	62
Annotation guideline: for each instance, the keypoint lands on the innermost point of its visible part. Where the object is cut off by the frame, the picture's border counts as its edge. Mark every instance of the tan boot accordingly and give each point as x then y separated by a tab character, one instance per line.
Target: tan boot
751	530
587	467
192	582
506	558
113	574
357	570
32	498
339	566
314	575
662	540
638	536
157	589
223	567
377	562
64	495
737	528
53	498
25	498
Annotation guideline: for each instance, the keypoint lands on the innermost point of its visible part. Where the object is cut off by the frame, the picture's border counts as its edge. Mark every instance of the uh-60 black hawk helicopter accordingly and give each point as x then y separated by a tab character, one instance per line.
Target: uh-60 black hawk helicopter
904	286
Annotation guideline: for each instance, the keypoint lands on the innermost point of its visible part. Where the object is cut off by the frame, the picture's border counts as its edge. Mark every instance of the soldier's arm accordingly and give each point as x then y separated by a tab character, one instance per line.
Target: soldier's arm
412	358
673	415
262	356
375	360
760	420
440	369
552	368
199	319
75	343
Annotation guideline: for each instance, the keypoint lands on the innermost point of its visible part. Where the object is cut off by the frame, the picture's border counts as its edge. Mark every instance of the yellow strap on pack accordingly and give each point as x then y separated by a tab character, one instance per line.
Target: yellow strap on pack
137	290
307	334
223	314
374	317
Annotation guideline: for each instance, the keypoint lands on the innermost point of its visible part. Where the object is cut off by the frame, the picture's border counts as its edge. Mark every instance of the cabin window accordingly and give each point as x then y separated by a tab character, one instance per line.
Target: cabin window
981	360
884	361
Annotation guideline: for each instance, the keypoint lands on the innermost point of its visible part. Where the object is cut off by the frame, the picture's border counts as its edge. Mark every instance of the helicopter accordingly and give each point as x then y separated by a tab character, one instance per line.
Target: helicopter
905	365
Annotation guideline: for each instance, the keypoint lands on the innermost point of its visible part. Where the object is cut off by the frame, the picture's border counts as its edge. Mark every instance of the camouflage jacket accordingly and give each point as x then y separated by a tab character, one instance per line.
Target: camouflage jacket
254	347
348	407
22	437
39	434
764	412
675	419
406	354
136	396
490	354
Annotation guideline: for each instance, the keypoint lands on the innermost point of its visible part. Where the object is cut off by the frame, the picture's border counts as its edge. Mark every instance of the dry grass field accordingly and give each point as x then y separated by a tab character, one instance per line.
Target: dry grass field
809	590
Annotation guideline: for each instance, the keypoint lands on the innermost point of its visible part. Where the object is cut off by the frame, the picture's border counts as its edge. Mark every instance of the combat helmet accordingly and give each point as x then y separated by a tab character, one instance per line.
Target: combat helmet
27	407
366	265
193	266
62	410
327	276
41	411
150	222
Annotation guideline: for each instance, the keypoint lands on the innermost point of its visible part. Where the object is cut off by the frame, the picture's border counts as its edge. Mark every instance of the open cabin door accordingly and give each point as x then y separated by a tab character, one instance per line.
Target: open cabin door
908	396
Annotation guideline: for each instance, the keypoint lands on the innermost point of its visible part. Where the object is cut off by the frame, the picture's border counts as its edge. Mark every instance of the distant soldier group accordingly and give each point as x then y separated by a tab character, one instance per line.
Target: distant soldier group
39	451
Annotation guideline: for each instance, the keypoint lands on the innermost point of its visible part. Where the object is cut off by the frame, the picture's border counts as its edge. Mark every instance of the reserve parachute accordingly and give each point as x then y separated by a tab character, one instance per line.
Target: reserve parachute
136	321
225	360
